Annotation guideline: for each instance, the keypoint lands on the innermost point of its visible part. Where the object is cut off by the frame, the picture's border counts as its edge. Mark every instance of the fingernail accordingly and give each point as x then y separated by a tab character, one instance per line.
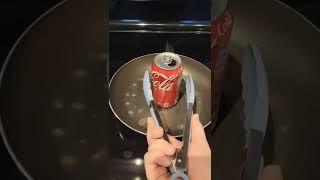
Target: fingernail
196	116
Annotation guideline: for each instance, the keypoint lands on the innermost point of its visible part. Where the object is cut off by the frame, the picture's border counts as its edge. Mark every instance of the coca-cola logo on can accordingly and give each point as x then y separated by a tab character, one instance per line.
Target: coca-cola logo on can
221	28
162	82
166	76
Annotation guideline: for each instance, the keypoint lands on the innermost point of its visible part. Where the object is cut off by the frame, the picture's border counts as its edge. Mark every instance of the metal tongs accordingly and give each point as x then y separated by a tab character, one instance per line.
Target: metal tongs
179	164
256	108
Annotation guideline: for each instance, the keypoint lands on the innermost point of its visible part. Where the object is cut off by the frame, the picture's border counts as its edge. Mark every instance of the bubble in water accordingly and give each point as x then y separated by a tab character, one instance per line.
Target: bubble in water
180	126
133	95
93	116
98	155
131	113
68	160
134	84
127	94
284	128
78	106
80	72
140	110
57	104
127	103
127	154
142	121
58	132
83	141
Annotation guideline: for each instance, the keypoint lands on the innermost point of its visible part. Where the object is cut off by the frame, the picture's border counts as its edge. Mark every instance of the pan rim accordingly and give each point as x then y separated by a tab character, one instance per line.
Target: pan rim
304	18
18	163
137	58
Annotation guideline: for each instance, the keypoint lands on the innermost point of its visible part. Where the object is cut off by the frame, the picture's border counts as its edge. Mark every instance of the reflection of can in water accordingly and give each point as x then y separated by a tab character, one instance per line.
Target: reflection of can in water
221	28
166	76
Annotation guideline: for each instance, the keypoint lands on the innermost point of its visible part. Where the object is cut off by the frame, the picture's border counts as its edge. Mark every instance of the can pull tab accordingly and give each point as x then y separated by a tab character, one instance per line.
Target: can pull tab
169	60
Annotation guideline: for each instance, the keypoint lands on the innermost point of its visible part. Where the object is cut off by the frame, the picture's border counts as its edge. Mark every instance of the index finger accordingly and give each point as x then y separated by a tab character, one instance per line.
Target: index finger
153	132
197	132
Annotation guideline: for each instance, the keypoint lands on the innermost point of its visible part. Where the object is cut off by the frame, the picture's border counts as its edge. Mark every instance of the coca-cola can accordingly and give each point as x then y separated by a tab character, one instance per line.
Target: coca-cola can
166	76
221	28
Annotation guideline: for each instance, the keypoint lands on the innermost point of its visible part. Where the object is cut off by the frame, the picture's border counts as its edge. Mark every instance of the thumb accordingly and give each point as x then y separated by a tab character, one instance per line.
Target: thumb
197	130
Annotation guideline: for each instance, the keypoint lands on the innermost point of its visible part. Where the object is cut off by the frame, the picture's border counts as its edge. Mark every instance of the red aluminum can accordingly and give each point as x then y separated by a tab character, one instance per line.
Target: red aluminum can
221	28
166	76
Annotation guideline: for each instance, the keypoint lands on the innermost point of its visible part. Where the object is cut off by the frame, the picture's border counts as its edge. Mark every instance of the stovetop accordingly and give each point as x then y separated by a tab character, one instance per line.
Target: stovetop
161	10
129	146
127	46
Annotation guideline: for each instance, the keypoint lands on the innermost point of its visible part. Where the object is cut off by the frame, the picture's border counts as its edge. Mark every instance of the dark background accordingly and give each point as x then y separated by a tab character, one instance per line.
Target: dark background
17	15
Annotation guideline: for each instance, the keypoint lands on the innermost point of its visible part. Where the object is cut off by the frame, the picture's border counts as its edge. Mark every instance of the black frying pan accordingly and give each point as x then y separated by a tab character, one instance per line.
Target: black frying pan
128	103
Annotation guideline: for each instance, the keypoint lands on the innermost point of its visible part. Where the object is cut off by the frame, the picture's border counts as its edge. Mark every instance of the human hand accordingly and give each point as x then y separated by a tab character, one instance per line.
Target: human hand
158	156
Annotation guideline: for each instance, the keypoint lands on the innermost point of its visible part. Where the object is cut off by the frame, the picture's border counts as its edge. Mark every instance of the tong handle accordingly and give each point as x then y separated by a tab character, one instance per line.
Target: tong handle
182	155
181	161
179	175
155	114
151	103
178	166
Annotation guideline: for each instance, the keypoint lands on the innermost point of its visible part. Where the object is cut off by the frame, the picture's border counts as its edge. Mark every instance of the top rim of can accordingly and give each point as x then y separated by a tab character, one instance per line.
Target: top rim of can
161	58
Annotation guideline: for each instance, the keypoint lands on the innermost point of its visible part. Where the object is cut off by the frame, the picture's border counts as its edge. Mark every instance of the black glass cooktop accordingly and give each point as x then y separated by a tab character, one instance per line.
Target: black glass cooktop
127	46
161	10
129	146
